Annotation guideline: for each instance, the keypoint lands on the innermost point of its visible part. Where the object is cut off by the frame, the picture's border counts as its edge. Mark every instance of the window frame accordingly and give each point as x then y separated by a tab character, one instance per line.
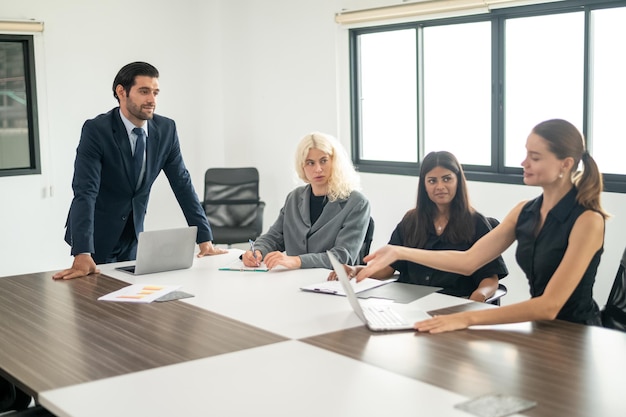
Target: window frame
28	45
497	172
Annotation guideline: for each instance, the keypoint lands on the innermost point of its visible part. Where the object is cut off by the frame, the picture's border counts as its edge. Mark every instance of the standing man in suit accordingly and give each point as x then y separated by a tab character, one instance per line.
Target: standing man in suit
110	198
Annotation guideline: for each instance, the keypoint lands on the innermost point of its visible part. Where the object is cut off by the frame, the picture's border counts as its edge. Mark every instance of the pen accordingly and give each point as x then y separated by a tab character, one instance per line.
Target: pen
252	249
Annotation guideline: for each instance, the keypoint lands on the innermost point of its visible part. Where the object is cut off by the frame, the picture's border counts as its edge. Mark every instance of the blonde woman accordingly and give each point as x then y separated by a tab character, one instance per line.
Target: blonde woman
560	238
328	213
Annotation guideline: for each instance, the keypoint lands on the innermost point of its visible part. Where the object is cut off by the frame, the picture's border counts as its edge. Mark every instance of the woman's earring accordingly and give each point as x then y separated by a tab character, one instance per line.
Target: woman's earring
561	175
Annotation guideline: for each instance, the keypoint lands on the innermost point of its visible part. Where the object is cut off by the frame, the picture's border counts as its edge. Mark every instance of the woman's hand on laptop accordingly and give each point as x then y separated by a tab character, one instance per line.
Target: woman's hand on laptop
83	265
444	323
207	249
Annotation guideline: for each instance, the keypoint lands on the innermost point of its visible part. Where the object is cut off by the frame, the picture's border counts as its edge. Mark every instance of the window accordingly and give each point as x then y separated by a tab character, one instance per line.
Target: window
476	85
457	82
389	108
607	89
19	136
545	76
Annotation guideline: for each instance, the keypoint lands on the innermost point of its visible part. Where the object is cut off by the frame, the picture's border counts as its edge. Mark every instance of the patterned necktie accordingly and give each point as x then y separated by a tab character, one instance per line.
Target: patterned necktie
140	147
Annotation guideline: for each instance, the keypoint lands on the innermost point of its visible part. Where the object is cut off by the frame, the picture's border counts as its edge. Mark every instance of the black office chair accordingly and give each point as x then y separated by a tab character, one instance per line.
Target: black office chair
367	242
501	291
11	397
495	298
232	204
614	312
35	411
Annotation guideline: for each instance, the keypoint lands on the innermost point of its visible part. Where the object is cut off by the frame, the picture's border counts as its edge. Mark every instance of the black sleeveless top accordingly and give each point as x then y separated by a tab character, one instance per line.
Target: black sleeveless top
316	206
539	256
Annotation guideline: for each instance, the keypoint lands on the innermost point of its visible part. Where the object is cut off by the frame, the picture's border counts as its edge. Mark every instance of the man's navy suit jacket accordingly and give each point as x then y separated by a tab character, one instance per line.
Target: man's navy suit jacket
104	193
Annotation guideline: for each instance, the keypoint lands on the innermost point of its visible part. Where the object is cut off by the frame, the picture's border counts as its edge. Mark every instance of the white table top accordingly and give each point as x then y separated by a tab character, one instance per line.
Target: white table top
369	374
270	300
284	379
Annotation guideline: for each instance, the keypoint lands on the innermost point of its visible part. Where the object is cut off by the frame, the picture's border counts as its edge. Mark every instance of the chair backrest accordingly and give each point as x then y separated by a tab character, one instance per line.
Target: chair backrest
493	222
367	242
614	313
231	196
502	290
12	398
495	298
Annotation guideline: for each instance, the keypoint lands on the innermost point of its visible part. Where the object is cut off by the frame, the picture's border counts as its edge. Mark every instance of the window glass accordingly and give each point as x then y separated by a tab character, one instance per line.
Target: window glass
457	91
17	137
476	86
387	96
608	89
544	79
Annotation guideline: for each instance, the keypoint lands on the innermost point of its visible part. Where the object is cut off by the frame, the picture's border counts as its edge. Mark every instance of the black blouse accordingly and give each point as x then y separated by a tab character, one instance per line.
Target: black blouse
452	283
539	256
316	206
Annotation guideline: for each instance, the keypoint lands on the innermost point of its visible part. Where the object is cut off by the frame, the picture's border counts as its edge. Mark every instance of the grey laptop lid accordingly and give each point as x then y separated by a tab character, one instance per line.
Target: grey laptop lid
164	250
407	321
345	283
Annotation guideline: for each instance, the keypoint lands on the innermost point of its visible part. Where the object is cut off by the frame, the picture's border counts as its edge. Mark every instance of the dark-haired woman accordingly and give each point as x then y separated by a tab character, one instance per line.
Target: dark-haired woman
443	219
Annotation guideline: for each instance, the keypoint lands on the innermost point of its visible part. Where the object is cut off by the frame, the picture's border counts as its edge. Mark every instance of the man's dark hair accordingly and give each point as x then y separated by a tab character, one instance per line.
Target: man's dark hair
126	76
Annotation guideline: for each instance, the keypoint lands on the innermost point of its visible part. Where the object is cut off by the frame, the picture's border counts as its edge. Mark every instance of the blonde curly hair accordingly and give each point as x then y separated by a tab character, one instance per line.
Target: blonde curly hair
343	179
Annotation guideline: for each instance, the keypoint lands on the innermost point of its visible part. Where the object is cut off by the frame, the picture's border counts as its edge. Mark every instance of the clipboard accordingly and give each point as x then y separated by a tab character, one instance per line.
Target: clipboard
237	265
334	287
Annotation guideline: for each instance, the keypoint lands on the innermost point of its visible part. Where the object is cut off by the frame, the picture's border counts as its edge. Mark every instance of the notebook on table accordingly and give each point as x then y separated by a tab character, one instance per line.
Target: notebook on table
334	287
377	317
399	292
164	250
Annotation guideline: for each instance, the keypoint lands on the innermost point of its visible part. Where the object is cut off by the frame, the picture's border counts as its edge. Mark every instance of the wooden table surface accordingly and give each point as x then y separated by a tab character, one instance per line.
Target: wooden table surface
569	369
56	333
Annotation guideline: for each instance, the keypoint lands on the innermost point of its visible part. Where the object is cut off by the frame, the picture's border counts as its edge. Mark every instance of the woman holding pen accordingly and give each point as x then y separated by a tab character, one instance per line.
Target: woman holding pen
327	213
560	237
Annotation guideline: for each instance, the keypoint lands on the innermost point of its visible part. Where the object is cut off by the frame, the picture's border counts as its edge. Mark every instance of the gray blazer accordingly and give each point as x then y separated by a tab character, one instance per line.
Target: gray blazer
340	228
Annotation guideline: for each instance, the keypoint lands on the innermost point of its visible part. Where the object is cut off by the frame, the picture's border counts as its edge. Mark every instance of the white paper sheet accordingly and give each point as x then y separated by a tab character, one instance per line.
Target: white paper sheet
139	293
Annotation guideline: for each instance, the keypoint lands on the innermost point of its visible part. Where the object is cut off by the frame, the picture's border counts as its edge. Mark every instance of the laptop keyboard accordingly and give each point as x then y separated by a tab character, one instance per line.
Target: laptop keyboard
383	316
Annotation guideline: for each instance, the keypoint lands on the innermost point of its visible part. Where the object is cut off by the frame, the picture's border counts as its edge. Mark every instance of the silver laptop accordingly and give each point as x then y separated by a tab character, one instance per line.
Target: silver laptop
376	317
164	250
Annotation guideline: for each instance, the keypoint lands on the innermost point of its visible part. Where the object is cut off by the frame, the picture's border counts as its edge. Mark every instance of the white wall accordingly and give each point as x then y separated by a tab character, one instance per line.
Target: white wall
244	79
281	83
83	46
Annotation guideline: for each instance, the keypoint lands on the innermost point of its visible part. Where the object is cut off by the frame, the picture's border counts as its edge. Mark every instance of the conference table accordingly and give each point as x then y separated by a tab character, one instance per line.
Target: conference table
253	343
